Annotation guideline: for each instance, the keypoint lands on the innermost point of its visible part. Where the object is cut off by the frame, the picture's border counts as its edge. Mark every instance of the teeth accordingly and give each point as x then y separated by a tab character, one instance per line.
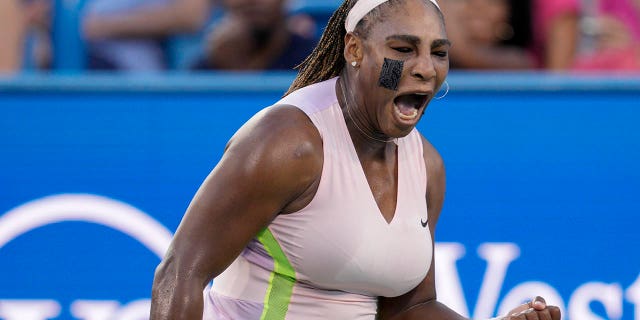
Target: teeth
403	116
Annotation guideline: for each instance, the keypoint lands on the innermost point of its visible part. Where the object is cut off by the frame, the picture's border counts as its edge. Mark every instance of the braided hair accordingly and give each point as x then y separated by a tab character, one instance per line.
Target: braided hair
326	61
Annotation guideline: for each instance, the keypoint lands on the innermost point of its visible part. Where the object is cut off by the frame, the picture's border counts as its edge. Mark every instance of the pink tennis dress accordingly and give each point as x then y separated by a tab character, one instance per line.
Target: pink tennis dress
335	257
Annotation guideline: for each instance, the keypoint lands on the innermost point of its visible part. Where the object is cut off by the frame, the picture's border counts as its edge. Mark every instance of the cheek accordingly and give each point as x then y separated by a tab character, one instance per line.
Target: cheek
442	70
370	72
390	74
372	63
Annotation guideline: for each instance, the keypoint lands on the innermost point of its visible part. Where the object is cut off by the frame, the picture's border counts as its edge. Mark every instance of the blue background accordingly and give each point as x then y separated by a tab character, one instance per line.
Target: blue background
549	162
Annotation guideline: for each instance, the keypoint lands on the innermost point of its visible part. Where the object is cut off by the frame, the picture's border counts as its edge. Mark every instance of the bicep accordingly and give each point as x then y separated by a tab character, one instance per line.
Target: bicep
257	176
223	216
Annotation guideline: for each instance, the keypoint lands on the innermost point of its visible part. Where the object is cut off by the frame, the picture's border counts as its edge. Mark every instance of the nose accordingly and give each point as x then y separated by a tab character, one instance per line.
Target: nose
423	68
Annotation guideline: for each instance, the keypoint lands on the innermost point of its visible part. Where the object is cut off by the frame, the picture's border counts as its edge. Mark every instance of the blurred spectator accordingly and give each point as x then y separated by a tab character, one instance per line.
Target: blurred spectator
613	27
38	46
479	31
12	30
512	34
555	32
128	34
257	35
24	35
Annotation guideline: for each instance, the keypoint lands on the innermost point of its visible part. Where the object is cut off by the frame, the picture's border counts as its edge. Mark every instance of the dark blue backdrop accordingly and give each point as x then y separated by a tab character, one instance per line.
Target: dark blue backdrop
550	164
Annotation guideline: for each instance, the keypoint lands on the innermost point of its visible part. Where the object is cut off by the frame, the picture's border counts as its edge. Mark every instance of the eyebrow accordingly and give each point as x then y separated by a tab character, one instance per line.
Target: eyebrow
404	37
440	42
415	40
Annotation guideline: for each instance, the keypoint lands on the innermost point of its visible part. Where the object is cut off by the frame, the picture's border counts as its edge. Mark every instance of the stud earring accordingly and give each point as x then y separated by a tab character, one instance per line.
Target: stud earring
354	64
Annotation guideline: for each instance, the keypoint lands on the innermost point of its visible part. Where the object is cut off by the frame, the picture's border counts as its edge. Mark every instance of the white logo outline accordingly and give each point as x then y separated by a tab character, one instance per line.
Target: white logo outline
90	208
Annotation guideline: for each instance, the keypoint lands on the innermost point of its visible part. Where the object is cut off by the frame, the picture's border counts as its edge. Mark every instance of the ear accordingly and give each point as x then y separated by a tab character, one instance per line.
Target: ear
352	48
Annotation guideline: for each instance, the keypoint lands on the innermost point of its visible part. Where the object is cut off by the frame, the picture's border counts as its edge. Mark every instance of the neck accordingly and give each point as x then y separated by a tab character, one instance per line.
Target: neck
362	133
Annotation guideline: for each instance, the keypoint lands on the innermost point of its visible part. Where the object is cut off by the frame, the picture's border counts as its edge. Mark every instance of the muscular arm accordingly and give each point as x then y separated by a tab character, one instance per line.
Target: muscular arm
268	164
159	20
420	303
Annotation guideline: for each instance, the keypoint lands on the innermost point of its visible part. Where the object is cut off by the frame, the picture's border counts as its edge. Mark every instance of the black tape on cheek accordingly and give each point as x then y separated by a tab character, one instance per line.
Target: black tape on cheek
390	74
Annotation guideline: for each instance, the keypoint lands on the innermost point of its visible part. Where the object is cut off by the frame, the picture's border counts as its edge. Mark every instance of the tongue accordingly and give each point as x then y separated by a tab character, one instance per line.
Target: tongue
405	109
407	104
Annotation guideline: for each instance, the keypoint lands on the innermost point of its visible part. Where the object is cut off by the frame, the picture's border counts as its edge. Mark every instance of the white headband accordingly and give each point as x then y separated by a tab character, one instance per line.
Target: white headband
361	8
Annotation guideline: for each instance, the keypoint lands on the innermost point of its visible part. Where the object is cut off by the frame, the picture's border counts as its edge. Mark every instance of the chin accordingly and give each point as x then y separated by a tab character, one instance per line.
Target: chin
399	132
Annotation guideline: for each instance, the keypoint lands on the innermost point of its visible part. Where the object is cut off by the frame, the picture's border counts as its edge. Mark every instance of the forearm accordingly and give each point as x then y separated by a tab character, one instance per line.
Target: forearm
430	310
176	298
434	310
562	41
151	21
11	36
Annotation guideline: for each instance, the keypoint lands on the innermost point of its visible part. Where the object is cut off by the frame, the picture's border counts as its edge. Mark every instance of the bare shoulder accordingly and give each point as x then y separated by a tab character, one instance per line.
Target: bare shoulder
267	166
283	127
280	142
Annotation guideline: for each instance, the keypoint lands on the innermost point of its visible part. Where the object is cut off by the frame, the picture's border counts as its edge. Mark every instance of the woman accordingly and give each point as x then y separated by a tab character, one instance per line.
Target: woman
555	33
614	31
318	208
490	34
513	34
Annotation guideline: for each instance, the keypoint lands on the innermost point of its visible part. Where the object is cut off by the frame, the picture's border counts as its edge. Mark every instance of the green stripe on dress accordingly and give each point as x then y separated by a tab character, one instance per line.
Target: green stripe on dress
281	281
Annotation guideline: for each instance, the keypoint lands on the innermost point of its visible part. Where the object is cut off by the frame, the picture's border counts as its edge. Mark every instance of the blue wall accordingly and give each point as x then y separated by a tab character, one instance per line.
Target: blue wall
546	164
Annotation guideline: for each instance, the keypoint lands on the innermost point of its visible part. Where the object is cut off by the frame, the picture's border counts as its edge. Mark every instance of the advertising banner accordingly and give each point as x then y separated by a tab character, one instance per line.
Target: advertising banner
543	192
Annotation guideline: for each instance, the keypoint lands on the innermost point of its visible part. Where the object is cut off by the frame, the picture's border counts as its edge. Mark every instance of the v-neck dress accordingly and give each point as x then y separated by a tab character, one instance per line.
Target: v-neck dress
336	256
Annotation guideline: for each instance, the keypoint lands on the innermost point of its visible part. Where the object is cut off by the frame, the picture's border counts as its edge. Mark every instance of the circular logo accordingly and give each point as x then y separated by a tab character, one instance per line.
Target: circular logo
87	208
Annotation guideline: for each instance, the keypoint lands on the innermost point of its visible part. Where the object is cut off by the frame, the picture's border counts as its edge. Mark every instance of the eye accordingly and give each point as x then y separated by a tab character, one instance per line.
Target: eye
441	54
402	49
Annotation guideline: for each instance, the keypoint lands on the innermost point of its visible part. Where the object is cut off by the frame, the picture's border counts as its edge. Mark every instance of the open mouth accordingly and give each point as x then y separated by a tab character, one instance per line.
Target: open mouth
407	106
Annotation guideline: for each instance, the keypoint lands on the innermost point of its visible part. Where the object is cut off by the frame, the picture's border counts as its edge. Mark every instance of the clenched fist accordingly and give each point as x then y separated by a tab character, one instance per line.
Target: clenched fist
536	309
